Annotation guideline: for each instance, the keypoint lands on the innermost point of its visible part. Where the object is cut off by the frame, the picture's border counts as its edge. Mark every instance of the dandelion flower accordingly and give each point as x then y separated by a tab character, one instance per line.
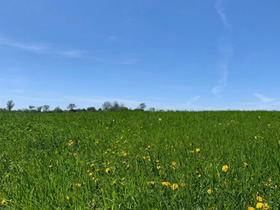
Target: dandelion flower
259	205
269	179
3	202
50	166
175	186
197	150
165	184
78	185
182	185
67	197
174	163
209	191
266	183
265	206
107	170
127	166
158	167
90	174
251	208
225	168
92	165
157	161
259	198
246	164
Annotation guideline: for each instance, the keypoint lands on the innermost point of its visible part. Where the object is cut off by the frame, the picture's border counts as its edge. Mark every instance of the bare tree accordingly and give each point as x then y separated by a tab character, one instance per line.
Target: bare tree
107	105
71	107
46	108
10	105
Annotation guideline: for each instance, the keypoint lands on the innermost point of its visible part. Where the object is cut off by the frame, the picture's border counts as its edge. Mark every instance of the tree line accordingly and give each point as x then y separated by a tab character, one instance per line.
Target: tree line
107	106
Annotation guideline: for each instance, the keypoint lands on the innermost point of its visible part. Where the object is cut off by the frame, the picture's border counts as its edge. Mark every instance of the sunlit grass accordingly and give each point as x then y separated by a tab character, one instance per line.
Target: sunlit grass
191	160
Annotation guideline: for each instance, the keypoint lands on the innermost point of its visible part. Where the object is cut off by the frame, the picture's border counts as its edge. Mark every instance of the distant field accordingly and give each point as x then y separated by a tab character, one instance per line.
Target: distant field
140	160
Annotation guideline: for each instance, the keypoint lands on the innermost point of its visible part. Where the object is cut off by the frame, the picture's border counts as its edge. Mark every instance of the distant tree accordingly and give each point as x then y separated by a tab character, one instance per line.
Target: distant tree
39	108
3	110
116	106
107	105
10	105
123	108
71	107
57	109
91	109
99	110
152	109
46	108
142	106
31	107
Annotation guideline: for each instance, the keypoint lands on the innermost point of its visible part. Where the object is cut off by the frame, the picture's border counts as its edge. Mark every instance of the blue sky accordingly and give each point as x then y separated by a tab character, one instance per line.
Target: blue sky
182	54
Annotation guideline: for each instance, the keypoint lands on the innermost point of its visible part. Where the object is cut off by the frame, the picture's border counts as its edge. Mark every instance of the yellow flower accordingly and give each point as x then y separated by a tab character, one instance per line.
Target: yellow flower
269	179
158	167
50	166
79	142
175	186
124	154
265	206
259	205
122	183
70	143
67	197
199	175
174	163
275	186
96	180
209	191
157	161
196	171
127	166
92	165
107	170
266	183
245	164
182	185
255	137
90	174
3	202
259	198
225	168
165	184
251	208
78	185
93	200
123	179
191	151
114	182
225	183
197	150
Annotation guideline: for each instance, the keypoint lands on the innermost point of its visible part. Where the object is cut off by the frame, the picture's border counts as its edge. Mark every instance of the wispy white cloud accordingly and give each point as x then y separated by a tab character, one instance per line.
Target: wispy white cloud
40	48
195	98
226	50
263	98
72	53
219	6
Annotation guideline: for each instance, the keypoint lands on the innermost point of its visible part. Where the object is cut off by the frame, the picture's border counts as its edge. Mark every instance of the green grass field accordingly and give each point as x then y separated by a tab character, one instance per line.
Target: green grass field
140	160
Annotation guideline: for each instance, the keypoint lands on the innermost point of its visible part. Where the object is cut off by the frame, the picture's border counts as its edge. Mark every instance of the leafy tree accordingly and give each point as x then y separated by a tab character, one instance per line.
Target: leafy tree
152	109
91	109
107	105
57	109
10	105
39	108
46	108
71	107
142	106
31	107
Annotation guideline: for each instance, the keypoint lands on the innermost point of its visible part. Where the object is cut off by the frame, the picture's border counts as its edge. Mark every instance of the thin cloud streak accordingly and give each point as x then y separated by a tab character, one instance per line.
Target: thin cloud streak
219	6
41	48
226	49
263	98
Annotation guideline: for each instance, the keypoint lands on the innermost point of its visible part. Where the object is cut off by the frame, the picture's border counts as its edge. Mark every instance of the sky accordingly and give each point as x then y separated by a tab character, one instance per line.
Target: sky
179	55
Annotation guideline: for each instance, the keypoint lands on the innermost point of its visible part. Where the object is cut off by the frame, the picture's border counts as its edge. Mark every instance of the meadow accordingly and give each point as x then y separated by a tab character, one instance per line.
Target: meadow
140	160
